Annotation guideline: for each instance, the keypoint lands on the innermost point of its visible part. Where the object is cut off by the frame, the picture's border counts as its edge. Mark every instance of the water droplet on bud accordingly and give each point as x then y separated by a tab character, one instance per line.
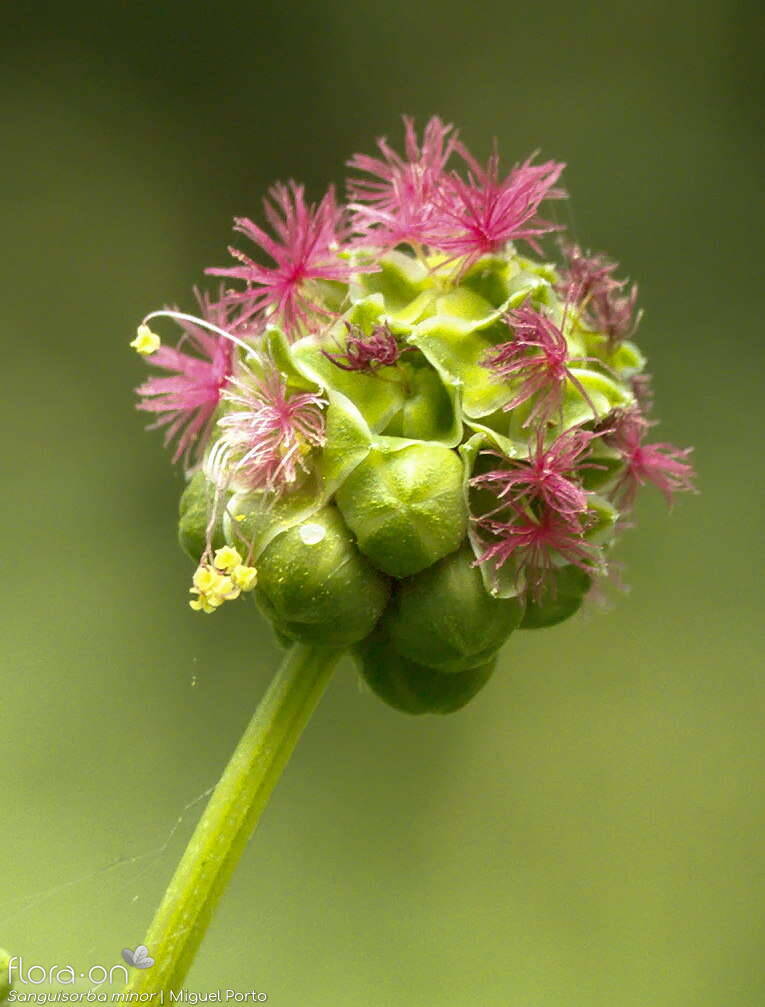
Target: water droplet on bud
312	533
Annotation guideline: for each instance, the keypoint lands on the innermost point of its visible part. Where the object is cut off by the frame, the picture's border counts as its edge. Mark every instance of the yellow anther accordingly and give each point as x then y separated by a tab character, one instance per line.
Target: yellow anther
225	589
201	604
204	579
227	559
212	586
146	342
239	517
245	577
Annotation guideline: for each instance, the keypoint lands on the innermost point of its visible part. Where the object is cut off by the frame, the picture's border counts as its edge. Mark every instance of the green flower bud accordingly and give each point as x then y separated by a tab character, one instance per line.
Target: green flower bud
413	688
406	507
195	510
560	601
444	618
315	586
5	980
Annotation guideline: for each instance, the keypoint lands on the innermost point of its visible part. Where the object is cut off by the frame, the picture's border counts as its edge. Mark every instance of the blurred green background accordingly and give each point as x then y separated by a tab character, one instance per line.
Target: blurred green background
589	831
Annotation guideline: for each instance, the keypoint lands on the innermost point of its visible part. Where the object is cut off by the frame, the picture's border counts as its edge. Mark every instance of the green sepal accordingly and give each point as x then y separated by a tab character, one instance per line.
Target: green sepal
458	348
489	278
332	294
378	397
430	410
348	442
604	393
588	396
502	582
315	586
195	510
405	504
413	688
279	352
253	520
466	305
625	360
527	285
445	618
560	601
488	434
601	520
408	400
544	270
399	281
604	465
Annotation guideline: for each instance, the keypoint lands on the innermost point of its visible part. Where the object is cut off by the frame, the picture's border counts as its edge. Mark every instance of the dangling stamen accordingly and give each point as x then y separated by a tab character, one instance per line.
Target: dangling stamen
181	316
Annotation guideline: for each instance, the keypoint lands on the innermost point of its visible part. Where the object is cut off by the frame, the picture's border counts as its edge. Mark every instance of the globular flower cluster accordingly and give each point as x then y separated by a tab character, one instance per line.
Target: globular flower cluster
408	373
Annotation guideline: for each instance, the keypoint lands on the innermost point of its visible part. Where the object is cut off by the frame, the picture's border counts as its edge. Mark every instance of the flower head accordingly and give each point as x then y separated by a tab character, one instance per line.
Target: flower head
304	249
548	477
536	544
366	353
266	437
662	464
311	469
537	358
186	401
480	215
398	202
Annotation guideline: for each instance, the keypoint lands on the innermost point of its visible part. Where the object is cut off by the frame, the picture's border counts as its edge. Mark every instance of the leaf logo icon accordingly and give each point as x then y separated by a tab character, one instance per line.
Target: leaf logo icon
140	958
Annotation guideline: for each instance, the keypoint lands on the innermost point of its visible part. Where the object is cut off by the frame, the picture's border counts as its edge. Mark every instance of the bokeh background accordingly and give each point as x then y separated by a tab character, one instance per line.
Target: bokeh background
589	831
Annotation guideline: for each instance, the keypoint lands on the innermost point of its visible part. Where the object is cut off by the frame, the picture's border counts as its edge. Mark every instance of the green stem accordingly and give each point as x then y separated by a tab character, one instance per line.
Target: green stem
231	817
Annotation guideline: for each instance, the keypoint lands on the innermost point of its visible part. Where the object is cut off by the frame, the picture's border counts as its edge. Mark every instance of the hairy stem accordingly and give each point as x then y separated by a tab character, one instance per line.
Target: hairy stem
232	816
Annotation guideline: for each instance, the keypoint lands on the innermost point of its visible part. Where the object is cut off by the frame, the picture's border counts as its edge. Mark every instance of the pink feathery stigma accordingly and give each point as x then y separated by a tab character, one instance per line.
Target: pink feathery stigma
366	353
265	441
534	543
305	248
662	464
398	202
586	275
642	389
549	476
615	315
588	282
480	215
186	401
537	358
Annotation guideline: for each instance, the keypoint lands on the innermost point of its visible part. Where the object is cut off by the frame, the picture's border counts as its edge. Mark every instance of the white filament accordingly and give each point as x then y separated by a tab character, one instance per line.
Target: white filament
180	316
